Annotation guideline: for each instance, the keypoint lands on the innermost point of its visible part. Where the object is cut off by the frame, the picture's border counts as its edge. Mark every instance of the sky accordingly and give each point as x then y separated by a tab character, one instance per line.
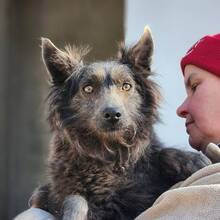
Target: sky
176	25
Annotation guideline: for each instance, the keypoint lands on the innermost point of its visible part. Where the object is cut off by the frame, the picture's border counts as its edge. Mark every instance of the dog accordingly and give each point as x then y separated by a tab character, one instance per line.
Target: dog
106	161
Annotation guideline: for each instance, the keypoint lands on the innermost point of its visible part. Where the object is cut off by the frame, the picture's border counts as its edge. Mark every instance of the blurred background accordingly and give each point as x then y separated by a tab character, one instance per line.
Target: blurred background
24	134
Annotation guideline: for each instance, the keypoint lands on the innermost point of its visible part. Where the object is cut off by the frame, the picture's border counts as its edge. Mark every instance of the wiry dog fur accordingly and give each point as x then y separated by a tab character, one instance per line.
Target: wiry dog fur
105	160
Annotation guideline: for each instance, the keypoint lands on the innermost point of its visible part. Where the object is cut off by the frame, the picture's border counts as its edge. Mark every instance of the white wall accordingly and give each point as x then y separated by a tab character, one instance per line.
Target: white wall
176	25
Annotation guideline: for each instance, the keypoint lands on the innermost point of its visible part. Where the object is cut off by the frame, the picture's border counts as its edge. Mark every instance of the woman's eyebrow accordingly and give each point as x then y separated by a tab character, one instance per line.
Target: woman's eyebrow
189	80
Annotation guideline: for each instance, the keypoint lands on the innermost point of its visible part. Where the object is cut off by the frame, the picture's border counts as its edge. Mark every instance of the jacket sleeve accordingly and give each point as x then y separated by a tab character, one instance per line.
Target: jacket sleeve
34	214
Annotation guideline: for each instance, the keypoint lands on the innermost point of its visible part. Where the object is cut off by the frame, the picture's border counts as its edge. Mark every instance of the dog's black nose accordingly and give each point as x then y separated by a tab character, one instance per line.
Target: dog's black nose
111	115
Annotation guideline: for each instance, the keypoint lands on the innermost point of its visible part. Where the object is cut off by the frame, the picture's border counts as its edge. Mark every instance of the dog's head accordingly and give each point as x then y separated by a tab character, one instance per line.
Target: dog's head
113	100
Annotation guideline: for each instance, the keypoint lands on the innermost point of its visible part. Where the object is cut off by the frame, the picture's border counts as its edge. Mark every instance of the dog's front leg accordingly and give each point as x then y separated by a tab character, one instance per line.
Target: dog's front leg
75	208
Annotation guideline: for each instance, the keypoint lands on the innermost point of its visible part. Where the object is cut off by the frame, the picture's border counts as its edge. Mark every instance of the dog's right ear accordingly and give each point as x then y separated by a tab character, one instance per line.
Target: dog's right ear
58	63
140	55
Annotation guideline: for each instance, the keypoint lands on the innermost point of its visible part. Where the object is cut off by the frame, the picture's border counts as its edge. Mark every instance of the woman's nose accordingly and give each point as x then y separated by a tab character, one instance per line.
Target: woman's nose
182	110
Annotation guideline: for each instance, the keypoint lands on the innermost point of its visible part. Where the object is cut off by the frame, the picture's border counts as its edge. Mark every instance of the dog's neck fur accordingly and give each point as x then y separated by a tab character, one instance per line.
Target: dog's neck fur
116	153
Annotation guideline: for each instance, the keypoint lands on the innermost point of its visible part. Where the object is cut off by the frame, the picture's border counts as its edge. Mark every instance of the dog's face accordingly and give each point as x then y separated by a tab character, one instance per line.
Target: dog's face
107	99
112	99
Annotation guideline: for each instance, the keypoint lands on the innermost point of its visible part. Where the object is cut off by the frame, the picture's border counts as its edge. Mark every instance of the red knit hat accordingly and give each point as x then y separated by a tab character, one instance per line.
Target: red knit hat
204	54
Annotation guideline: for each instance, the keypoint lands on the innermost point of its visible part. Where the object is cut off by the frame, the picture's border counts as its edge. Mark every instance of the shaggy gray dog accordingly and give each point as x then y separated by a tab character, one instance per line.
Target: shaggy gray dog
105	162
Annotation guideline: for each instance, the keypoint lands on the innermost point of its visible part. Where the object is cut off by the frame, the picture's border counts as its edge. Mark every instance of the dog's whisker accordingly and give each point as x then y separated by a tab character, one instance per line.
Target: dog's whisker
108	149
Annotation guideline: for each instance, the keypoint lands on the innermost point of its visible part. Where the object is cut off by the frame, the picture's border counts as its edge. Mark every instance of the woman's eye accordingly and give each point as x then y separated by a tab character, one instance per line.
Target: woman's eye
194	86
126	87
88	89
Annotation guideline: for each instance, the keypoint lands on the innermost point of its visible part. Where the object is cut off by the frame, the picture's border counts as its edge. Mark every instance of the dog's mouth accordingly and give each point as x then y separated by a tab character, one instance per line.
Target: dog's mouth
127	133
111	128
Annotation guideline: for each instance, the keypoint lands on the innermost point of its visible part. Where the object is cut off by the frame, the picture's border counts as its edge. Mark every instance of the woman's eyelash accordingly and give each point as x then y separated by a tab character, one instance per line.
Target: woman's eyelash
193	87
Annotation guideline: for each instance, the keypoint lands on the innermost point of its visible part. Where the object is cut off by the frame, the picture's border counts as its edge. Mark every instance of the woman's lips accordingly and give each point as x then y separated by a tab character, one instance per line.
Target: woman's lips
188	124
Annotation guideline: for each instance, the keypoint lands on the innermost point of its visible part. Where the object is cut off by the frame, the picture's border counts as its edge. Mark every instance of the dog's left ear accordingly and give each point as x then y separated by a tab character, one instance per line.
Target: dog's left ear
57	62
140	55
61	64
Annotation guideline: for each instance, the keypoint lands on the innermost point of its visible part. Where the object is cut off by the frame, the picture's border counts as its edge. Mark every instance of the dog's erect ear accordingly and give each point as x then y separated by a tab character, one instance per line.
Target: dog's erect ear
139	56
60	64
56	61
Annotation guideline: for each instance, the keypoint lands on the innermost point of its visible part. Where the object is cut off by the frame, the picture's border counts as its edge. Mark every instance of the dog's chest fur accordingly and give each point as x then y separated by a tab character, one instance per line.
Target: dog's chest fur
104	184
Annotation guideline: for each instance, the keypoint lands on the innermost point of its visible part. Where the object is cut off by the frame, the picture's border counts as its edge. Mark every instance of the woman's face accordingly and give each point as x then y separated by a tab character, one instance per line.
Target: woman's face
201	108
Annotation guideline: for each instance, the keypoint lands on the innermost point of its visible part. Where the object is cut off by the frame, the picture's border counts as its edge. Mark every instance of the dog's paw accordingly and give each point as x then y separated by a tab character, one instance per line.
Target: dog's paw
75	207
197	161
177	165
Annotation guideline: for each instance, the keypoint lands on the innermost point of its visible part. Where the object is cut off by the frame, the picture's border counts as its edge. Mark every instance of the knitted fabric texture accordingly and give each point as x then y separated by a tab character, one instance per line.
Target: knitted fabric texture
204	54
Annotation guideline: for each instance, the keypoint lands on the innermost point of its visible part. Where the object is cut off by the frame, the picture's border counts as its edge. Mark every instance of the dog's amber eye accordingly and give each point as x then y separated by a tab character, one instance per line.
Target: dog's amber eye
126	87
88	89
